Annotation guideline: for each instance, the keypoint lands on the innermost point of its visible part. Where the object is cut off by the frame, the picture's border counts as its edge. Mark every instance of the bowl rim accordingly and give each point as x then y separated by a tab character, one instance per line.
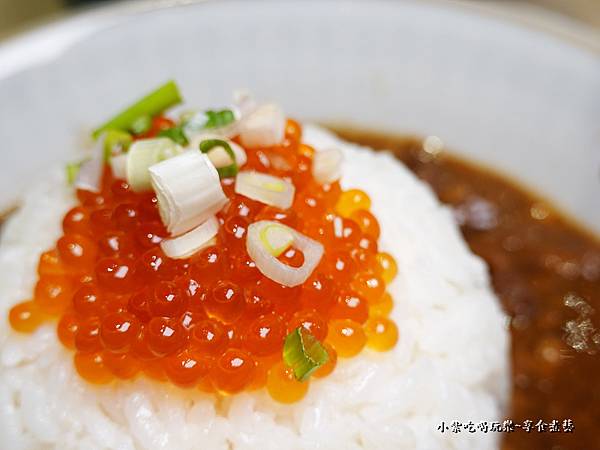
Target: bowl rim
47	38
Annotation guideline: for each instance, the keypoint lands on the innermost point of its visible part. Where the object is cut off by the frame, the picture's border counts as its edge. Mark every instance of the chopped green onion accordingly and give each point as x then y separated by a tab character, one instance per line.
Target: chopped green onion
116	142
276	239
277	270
145	153
152	104
265	188
186	116
72	170
224	172
188	190
141	125
228	171
176	134
218	119
303	353
193	122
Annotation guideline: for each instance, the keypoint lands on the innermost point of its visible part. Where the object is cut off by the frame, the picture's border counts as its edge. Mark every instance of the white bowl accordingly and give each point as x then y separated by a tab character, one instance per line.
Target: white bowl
524	102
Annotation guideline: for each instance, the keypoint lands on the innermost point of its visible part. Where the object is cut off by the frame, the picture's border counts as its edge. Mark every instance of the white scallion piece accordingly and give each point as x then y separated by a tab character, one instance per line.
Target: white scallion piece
267	262
144	153
193	241
265	188
118	165
194	123
188	190
244	103
264	127
327	165
89	177
276	238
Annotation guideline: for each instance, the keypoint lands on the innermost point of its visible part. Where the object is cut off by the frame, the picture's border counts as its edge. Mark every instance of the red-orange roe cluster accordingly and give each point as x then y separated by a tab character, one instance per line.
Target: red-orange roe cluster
212	321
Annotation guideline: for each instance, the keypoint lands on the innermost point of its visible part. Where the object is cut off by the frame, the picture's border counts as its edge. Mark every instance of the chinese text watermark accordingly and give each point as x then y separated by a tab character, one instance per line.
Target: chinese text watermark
508	426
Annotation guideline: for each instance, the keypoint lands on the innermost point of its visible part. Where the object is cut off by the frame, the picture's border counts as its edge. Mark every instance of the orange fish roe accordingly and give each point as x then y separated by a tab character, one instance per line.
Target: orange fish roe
329	366
213	321
382	333
347	337
25	317
283	386
383	307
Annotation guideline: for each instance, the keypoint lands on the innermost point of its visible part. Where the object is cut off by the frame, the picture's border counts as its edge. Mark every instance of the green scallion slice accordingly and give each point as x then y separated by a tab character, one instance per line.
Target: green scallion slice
218	119
228	171
141	125
224	172
303	353
72	170
176	134
152	104
116	142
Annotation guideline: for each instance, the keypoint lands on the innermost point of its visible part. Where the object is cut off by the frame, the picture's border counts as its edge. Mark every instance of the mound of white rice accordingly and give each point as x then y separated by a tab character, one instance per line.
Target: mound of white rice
450	363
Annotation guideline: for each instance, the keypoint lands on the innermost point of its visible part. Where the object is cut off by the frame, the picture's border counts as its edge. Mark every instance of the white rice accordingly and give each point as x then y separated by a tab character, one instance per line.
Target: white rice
451	362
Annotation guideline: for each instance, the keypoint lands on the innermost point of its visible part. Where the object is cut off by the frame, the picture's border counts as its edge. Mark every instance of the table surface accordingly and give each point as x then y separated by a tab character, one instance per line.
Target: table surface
587	11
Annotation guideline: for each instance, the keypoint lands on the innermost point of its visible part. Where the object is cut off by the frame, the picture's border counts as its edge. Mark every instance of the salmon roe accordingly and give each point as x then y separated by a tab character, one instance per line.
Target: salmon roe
382	333
283	386
25	317
383	307
213	321
347	337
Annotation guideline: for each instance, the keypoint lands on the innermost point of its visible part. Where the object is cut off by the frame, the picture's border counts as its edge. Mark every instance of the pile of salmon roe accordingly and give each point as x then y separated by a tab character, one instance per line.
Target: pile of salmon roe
212	321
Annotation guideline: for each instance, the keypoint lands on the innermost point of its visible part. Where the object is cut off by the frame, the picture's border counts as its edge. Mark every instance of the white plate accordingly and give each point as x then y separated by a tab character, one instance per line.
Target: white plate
524	102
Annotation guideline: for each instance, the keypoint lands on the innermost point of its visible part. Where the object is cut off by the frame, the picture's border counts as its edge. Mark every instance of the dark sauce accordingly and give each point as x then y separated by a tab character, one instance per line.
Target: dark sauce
546	271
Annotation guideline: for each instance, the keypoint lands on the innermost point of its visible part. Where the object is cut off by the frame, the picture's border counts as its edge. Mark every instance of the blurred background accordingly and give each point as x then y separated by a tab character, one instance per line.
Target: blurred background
19	15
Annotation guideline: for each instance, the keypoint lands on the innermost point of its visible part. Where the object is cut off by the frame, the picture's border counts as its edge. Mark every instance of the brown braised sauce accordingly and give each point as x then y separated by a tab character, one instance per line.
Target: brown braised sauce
546	271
